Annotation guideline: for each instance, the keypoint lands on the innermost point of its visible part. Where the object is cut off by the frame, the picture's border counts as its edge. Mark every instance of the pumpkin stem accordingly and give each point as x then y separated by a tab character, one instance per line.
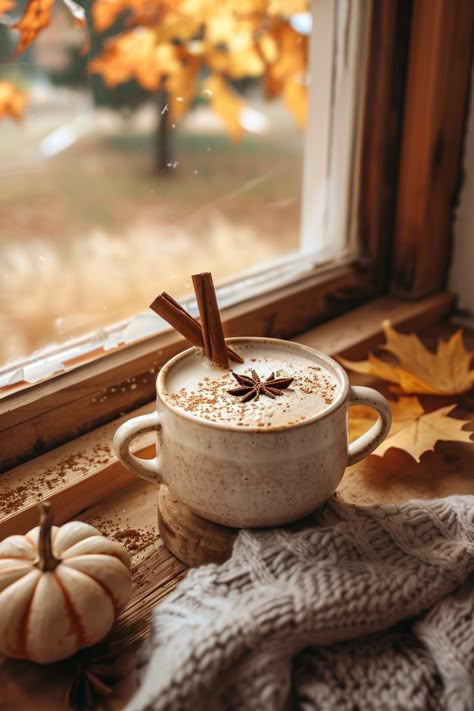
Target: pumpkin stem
47	560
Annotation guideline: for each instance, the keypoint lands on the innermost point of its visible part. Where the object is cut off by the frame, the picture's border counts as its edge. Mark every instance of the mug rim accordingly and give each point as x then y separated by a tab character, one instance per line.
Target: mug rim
340	400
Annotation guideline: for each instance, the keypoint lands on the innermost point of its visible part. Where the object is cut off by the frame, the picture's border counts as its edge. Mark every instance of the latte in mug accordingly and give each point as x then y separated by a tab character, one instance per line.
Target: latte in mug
273	388
262	445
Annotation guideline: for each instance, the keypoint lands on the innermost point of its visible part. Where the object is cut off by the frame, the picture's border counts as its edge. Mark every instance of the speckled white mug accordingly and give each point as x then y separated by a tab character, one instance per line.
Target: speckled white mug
246	476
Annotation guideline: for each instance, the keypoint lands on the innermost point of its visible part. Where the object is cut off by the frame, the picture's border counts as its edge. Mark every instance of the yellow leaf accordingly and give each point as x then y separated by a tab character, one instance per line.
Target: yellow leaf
6	5
371	366
12	101
418	434
171	18
243	7
286	73
361	418
404	412
413	430
287	7
446	372
227	26
295	96
36	17
268	47
237	64
105	12
226	103
230	43
182	85
233	38
136	54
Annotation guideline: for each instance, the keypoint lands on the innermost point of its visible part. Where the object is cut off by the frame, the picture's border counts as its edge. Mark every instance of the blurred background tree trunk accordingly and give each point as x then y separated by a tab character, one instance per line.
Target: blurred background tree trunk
163	159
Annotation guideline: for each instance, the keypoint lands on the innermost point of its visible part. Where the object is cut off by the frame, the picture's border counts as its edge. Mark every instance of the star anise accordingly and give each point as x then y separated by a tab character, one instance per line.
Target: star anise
96	671
252	387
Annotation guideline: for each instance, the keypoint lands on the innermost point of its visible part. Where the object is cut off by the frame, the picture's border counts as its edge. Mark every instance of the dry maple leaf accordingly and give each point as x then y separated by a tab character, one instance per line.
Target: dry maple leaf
446	372
35	18
12	101
413	430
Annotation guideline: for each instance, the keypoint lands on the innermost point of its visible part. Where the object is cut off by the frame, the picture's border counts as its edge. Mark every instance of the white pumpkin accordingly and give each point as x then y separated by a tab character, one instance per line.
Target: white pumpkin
60	589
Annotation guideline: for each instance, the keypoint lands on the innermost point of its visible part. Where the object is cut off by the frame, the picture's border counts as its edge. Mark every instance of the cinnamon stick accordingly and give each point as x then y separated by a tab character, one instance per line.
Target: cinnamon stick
171	311
212	333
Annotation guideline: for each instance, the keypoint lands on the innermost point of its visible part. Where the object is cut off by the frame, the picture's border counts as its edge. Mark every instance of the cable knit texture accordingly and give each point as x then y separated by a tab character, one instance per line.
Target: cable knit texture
369	608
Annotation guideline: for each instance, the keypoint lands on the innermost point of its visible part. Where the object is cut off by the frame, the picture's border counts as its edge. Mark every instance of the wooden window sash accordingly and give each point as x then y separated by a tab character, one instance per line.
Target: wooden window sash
437	93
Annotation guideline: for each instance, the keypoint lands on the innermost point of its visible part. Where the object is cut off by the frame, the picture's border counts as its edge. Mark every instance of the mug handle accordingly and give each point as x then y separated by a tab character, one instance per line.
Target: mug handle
149	469
370	440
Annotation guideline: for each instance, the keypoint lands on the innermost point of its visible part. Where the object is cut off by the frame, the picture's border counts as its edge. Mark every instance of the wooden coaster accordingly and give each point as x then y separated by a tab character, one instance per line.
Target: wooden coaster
191	538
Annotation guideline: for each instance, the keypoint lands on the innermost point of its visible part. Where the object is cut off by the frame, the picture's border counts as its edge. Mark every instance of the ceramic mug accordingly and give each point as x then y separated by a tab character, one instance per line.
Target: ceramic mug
244	458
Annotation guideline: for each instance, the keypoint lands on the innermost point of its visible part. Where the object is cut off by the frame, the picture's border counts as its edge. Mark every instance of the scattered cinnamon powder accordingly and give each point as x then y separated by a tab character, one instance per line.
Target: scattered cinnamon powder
51	478
134	540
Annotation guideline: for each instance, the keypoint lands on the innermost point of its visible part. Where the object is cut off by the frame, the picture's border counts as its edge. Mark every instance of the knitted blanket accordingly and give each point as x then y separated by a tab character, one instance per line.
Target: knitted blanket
369	608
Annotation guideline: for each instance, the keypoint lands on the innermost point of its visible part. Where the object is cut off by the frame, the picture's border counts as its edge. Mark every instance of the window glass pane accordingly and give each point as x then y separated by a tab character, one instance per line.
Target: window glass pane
167	138
109	195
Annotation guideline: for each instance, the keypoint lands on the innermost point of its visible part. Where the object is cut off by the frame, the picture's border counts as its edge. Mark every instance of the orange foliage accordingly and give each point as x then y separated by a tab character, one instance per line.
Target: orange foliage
168	42
160	14
286	7
413	430
289	65
6	5
12	101
35	18
448	371
295	96
106	12
417	370
226	103
173	39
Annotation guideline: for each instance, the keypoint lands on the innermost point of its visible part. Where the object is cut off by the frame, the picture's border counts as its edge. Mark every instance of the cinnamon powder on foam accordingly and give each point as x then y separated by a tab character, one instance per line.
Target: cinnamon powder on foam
311	391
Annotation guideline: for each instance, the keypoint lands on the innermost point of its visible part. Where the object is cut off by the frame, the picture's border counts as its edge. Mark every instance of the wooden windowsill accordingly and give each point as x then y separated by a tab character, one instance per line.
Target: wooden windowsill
83	480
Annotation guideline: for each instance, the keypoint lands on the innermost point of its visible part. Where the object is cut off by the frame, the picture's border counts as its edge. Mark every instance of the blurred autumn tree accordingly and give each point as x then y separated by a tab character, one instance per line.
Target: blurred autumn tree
180	50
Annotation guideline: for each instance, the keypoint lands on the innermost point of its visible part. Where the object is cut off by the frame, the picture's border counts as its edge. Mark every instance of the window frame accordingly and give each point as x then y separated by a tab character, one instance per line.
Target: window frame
50	413
437	101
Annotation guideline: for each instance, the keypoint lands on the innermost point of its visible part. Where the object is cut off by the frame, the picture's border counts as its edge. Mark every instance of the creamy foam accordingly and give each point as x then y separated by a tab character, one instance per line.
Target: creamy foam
200	389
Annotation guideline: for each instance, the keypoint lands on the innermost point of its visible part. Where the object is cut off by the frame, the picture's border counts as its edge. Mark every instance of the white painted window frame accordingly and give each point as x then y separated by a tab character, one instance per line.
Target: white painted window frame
333	135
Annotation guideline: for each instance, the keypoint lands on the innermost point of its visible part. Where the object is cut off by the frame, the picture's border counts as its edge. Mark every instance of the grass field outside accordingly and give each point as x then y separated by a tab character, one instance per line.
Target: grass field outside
89	236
